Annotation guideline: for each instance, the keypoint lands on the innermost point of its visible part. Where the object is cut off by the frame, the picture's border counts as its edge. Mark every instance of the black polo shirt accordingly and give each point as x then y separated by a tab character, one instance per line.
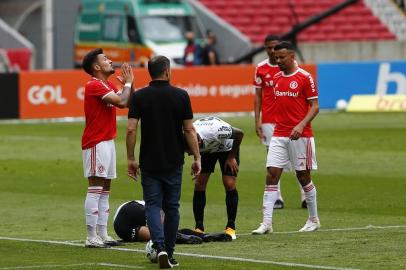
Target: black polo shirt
161	109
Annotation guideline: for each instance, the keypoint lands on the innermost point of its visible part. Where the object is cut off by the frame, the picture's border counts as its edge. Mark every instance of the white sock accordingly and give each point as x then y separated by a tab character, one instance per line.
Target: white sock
279	191
270	196
104	209
311	200
92	209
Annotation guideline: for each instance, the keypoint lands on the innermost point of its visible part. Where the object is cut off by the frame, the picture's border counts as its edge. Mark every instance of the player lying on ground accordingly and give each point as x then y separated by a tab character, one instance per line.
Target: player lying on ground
131	226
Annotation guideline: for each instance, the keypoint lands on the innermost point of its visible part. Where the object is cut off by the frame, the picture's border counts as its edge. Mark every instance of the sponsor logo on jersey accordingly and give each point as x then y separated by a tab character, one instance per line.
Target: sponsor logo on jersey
269	84
286	94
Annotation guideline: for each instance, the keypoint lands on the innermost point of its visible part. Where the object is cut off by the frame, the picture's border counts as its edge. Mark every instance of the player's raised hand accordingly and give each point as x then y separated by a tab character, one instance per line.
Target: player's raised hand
127	73
133	169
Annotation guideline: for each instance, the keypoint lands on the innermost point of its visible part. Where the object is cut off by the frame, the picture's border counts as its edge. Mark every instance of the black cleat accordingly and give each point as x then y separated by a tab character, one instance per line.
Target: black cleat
304	204
279	204
188	239
217	237
173	262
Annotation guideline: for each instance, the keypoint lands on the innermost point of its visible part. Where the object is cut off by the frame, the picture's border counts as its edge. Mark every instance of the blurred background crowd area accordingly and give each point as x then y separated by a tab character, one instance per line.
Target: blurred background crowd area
54	34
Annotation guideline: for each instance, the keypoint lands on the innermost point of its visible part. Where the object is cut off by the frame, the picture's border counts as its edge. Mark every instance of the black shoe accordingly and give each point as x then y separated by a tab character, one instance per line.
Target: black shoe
163	261
188	239
279	204
304	204
173	262
217	237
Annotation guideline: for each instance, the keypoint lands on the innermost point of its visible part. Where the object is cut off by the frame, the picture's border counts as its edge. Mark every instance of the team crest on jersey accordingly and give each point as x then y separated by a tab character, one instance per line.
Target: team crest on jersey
293	85
267	76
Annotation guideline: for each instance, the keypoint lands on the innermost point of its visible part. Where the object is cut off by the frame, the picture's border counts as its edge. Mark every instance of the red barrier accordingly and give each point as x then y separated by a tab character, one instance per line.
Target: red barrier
211	89
14	60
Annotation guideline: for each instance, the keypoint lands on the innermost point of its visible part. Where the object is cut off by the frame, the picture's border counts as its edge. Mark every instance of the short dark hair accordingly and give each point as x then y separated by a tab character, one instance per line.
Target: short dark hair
157	66
89	60
271	37
284	45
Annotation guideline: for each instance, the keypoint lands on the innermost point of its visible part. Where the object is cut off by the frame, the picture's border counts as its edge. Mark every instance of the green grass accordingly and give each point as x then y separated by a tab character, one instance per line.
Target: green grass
361	181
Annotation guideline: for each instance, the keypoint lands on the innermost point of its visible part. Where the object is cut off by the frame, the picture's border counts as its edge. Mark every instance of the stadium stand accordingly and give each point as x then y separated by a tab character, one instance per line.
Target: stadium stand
254	18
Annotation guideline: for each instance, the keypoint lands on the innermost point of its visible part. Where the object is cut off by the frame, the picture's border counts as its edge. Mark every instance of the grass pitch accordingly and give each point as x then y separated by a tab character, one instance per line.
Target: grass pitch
361	187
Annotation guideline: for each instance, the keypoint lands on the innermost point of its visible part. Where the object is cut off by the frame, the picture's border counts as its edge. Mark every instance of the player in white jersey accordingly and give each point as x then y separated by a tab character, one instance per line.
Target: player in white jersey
218	141
292	142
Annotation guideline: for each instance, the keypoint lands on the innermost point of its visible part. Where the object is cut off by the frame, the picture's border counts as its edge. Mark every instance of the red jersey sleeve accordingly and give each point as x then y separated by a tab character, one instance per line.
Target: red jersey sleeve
98	89
310	88
258	81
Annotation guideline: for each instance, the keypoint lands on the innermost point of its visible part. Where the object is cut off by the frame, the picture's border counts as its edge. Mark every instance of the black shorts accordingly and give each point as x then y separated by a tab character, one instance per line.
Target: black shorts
209	162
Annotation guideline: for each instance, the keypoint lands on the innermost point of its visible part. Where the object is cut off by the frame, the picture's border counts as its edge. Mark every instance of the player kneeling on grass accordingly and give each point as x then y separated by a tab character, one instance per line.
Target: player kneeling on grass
218	141
98	149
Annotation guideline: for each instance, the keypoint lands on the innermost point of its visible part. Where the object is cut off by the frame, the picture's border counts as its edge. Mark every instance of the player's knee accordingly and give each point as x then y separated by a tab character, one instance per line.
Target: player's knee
272	178
200	186
303	177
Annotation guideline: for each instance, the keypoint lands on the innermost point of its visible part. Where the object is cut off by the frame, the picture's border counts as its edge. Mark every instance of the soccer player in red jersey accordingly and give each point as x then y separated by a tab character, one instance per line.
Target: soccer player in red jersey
98	149
292	142
265	103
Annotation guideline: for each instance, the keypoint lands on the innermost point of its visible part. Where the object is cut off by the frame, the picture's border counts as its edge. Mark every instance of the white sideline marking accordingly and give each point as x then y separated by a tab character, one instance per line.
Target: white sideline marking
47	266
120	265
187	254
71	265
368	227
75	243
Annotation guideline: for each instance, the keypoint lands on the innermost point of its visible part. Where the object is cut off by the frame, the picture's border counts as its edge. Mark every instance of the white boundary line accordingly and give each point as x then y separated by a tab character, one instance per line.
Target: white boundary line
368	227
189	255
71	265
75	243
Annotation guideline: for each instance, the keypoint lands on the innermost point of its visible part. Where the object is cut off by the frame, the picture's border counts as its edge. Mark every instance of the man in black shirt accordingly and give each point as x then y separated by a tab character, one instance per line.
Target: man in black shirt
166	114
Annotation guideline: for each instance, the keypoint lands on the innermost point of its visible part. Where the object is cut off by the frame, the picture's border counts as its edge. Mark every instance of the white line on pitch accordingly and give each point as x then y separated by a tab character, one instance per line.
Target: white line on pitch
192	255
71	265
120	265
368	227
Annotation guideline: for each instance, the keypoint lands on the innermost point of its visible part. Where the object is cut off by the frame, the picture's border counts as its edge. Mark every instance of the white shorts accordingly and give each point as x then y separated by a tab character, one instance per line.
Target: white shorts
100	160
300	154
267	131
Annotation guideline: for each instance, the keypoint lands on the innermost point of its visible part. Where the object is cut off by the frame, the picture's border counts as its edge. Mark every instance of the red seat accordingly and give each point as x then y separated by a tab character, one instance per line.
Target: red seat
257	18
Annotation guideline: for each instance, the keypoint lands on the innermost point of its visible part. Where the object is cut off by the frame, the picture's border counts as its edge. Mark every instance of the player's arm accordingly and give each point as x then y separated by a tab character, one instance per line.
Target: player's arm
191	140
121	99
311	114
237	135
131	138
257	111
231	162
